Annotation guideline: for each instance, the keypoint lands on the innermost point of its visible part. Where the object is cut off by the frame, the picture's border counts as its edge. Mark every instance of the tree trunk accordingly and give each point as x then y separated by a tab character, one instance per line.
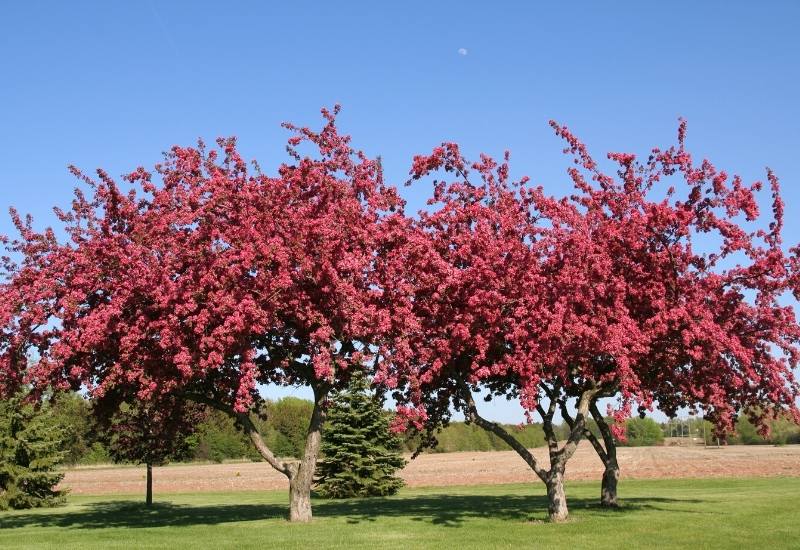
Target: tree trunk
302	478
148	500
300	474
608	489
557	499
299	501
554	477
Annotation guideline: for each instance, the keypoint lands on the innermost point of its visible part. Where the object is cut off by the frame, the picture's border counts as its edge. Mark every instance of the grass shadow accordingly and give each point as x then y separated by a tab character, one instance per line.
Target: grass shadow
130	514
453	510
438	509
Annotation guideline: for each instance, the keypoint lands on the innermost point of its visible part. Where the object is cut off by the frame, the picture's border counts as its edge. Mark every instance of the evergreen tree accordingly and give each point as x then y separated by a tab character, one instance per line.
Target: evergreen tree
30	446
360	453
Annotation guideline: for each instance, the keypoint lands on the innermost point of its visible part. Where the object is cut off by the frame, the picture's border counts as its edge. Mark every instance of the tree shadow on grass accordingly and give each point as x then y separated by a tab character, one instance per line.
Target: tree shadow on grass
453	510
438	509
134	514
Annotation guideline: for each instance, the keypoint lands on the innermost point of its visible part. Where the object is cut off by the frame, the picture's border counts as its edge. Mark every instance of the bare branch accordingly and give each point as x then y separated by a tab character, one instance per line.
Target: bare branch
286	468
605	431
576	433
587	433
473	416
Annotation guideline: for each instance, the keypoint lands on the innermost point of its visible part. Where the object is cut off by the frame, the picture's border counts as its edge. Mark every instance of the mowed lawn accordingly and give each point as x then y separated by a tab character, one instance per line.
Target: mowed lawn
703	513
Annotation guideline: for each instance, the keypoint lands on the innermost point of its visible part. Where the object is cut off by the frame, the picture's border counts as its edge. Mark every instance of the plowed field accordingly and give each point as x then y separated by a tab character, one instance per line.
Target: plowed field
473	468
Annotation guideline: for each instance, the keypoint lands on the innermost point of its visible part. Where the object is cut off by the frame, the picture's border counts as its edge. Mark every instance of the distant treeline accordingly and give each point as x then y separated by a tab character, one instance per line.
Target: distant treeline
459	436
216	439
284	423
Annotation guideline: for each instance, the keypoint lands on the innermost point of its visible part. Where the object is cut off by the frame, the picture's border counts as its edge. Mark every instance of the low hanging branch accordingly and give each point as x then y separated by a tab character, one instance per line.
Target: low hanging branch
243	418
473	416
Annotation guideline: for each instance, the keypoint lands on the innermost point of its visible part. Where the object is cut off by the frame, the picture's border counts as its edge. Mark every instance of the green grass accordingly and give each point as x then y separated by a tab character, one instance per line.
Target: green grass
708	513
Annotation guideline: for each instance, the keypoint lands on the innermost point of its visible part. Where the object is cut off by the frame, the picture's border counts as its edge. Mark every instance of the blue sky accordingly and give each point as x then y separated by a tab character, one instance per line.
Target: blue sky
112	84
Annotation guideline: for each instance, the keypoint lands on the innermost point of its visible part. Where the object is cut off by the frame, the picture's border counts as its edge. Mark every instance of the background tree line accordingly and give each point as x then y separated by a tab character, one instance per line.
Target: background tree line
284	424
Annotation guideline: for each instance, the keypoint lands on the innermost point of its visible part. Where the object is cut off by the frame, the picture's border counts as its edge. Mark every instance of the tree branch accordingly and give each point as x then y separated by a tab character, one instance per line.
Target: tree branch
473	416
289	469
547	418
575	434
598	447
549	433
605	431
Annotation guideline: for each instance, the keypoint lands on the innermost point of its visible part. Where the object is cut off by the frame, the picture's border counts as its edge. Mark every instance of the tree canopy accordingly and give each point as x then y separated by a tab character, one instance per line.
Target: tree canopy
203	280
659	284
656	285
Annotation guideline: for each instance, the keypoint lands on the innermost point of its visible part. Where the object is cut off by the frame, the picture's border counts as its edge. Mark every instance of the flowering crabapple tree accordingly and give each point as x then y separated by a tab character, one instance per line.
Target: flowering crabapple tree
699	274
205	279
483	289
600	294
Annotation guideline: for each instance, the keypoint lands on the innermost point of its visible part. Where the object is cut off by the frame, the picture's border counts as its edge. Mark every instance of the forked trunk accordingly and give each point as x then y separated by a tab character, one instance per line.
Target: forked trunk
300	474
556	498
554	477
608	489
148	499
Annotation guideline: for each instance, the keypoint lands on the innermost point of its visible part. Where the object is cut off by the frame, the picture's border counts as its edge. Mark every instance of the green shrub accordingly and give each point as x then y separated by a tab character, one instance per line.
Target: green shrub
286	425
460	437
71	415
97	453
783	431
218	439
643	432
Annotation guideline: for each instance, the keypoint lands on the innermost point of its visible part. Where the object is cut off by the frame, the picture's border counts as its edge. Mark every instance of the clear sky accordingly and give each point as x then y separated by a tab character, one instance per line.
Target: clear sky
112	84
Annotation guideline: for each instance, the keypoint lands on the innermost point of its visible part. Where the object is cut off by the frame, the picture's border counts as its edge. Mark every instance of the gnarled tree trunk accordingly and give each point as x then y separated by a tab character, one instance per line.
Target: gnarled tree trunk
556	498
299	501
608	488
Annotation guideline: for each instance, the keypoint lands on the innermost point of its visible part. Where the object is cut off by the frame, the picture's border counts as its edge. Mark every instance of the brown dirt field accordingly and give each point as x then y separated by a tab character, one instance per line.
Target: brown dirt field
471	468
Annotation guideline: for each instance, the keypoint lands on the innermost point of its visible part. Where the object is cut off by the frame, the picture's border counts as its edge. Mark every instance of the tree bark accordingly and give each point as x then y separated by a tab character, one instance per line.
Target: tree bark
300	473
303	476
148	499
299	502
557	498
608	487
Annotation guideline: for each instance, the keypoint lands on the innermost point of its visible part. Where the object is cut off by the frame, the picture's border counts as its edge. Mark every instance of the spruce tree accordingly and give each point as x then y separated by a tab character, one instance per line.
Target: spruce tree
30	451
360	454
